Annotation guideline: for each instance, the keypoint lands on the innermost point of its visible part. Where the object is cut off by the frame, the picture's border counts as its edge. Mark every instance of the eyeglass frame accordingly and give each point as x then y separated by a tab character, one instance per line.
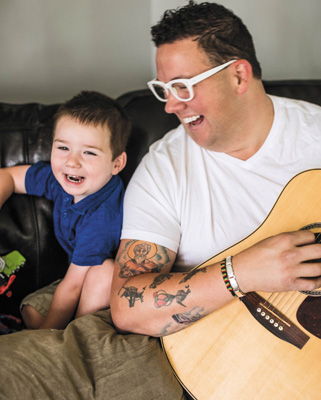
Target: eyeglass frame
189	83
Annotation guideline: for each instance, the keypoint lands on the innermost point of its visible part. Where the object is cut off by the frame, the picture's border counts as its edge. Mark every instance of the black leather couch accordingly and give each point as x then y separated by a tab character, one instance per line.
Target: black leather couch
25	138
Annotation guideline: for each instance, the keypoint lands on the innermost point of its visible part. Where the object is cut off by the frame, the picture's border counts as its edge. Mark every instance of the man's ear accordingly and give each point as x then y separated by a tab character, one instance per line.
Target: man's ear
243	75
119	163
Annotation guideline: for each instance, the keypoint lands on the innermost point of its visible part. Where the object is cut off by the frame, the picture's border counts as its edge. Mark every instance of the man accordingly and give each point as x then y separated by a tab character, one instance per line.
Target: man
212	181
201	188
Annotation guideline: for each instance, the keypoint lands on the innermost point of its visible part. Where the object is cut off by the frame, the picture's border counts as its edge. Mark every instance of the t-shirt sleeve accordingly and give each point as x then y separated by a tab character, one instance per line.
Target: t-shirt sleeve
39	180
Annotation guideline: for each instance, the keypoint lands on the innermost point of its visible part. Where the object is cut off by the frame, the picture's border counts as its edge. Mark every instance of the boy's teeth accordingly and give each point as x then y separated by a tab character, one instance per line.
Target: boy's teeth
191	119
72	178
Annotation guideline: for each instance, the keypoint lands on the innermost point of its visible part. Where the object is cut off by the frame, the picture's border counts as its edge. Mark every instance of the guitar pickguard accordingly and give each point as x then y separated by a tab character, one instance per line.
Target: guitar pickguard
309	315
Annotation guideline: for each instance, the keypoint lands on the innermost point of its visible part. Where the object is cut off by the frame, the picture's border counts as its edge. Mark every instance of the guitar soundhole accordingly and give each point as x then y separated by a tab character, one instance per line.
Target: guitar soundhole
309	315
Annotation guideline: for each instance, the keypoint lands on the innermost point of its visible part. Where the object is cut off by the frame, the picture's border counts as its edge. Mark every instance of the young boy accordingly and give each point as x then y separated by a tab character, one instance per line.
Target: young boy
88	151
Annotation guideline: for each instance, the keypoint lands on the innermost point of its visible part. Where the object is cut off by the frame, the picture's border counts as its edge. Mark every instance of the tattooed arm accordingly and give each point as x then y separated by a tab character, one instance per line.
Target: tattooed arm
147	298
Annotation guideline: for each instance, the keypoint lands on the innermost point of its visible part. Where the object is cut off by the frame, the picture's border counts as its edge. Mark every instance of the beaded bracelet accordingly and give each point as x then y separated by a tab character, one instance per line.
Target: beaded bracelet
225	278
232	278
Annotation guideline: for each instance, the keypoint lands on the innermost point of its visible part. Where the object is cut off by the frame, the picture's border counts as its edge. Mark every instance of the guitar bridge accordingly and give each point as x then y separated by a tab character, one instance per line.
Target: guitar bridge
273	320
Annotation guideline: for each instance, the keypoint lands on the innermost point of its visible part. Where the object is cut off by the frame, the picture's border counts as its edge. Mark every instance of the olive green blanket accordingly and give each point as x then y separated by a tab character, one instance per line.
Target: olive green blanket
86	361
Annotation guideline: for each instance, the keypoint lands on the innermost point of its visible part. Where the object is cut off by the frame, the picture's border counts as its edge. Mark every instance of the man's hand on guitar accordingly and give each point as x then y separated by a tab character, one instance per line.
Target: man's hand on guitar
279	263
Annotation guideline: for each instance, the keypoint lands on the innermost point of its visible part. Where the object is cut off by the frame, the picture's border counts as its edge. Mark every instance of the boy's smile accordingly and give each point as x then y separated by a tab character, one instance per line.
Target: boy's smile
74	179
81	158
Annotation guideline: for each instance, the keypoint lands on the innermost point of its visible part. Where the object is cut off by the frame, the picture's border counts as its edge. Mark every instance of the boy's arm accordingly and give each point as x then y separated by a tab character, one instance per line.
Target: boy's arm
12	180
66	298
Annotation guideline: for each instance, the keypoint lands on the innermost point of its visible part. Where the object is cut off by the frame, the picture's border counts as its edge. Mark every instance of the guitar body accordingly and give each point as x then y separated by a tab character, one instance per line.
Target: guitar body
228	354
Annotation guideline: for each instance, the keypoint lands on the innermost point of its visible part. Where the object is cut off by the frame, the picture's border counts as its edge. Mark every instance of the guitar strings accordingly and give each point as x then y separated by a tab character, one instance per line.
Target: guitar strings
282	303
293	303
275	298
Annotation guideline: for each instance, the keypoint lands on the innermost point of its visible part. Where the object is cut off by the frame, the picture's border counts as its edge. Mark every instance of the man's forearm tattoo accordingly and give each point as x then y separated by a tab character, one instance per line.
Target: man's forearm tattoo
161	298
132	294
165	329
159	280
140	257
189	317
190	274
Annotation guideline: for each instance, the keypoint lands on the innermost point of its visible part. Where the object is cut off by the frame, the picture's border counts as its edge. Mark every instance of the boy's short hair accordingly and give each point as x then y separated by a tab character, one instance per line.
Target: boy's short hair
97	109
219	32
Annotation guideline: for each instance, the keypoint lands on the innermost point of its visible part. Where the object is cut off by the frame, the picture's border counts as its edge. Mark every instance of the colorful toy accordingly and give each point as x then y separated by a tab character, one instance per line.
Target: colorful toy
10	324
9	266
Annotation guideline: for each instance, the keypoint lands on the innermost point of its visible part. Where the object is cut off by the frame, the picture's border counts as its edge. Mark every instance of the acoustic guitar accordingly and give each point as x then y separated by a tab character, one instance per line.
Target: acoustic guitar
267	346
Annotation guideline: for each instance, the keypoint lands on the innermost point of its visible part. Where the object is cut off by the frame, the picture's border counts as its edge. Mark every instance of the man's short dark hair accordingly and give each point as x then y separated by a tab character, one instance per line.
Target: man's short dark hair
219	32
97	109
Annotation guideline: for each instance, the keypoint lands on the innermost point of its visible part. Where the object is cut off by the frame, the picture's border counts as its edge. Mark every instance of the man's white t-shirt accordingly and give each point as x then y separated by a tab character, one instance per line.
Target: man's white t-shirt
198	202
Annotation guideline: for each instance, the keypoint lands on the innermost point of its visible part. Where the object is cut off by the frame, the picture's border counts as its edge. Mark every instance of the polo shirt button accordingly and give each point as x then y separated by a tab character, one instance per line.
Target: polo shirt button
65	214
66	199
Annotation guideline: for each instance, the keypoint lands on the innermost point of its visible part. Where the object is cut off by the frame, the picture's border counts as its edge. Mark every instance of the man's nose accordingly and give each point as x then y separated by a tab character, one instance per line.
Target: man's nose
174	105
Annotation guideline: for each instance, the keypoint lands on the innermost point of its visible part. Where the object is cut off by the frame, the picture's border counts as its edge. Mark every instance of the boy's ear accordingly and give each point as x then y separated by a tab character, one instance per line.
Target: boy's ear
119	163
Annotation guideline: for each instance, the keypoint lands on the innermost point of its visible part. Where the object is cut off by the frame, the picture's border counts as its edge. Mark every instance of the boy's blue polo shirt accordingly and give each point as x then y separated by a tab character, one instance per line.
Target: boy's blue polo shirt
89	231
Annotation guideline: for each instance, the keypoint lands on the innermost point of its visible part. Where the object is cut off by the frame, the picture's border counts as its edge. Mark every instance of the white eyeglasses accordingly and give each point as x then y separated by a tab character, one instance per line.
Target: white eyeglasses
182	89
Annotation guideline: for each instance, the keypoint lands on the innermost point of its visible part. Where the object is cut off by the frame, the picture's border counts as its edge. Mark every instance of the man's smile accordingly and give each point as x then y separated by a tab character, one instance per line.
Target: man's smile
191	119
194	120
